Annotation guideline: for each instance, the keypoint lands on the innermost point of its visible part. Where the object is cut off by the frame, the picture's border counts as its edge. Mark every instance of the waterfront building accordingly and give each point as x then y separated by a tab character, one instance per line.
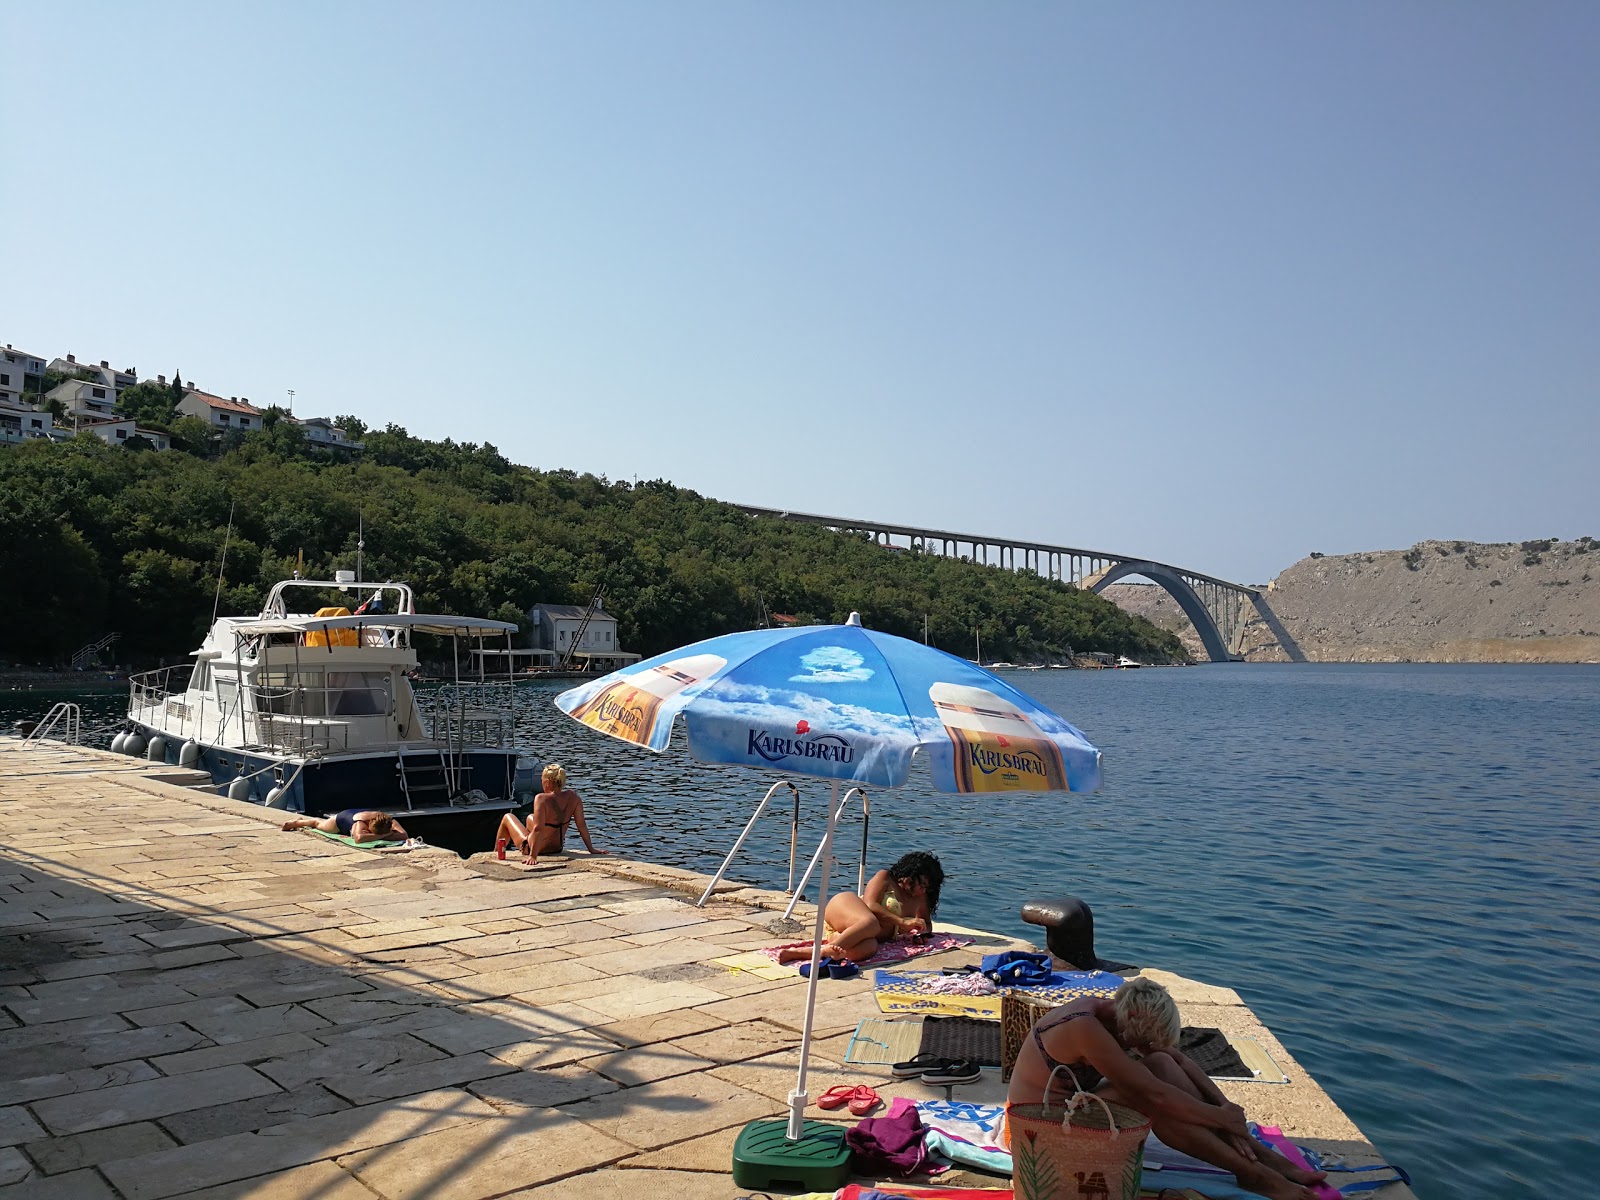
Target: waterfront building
229	412
587	636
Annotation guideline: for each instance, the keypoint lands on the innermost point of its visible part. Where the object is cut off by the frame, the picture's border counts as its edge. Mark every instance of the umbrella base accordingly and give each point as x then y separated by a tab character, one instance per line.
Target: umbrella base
764	1159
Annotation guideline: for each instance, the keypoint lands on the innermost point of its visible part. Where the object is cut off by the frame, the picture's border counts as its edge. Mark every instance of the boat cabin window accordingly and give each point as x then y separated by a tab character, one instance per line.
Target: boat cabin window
227	691
312	692
200	680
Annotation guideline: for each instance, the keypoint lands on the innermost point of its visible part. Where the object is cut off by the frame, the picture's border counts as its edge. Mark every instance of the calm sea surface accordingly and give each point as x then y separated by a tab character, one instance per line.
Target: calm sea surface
1395	866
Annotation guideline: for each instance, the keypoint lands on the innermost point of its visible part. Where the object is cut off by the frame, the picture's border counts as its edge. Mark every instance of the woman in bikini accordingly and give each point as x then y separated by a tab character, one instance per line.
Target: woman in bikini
898	903
546	831
1125	1050
357	824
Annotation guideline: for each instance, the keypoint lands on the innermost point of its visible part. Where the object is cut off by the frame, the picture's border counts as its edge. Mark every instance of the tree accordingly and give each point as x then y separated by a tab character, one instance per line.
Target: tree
148	403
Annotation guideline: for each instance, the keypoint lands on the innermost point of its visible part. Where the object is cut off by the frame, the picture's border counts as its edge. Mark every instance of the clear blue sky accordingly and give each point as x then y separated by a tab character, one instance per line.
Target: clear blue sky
1216	283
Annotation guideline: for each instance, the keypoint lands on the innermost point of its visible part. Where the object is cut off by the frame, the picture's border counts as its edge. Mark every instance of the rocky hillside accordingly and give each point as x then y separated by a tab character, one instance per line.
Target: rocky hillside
1536	601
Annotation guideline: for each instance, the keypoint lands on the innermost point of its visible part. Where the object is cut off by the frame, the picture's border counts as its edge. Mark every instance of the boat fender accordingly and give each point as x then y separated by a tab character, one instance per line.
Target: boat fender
239	789
156	751
189	754
118	742
134	745
278	798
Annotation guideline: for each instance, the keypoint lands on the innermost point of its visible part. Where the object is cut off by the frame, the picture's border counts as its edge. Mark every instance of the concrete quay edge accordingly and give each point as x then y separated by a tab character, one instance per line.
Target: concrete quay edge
196	1005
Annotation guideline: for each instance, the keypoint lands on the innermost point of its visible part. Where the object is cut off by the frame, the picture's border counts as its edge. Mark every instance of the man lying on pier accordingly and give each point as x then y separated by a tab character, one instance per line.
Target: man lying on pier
1125	1051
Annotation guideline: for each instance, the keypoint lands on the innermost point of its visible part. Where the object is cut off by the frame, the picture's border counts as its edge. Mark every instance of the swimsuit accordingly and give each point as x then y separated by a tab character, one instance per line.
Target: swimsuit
346	819
1087	1078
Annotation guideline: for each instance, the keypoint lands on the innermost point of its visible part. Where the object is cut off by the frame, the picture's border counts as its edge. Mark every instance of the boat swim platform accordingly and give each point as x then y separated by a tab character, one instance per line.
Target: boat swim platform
196	1004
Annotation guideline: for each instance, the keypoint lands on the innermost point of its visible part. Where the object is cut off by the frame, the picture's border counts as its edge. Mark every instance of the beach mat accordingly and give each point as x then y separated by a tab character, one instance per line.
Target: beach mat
1210	1050
754	962
1259	1067
350	841
961	1037
880	1043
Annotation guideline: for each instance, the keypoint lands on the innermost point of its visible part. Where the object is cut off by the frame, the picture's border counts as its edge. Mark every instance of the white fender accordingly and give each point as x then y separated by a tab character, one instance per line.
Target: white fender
189	754
118	742
156	751
239	789
278	798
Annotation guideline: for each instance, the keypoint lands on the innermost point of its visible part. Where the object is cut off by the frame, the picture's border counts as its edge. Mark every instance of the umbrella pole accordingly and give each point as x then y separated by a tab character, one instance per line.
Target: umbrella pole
798	1097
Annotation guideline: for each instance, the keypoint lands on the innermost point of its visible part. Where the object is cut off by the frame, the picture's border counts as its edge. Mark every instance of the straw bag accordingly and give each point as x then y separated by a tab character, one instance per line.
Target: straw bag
1018	1013
1076	1151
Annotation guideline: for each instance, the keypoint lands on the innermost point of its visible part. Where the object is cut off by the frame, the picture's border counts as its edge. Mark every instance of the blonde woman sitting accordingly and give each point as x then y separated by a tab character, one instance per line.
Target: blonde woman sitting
1125	1050
554	809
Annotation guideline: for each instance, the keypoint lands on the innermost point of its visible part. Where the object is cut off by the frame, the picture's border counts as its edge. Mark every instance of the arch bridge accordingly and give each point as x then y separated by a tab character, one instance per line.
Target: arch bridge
1215	606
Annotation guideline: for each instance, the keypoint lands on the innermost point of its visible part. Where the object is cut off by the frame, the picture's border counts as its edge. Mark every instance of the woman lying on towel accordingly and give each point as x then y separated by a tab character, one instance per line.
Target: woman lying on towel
357	824
898	903
1125	1050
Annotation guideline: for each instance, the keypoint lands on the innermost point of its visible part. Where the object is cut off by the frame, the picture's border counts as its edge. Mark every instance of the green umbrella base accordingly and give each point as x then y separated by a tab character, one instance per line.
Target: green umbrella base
764	1159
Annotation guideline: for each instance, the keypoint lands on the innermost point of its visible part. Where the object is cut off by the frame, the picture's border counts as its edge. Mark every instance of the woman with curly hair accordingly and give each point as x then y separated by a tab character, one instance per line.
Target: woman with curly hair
897	903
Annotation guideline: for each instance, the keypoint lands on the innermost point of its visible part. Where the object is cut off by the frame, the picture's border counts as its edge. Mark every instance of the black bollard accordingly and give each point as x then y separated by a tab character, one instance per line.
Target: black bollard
1069	932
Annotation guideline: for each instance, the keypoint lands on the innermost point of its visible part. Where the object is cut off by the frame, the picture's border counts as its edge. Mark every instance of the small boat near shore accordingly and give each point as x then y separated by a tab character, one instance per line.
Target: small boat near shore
315	712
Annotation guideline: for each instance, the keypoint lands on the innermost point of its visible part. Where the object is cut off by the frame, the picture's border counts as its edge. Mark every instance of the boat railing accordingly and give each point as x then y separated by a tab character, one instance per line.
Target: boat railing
477	715
150	689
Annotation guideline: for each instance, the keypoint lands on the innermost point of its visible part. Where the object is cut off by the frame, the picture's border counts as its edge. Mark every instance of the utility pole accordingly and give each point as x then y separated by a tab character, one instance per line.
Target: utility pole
291	401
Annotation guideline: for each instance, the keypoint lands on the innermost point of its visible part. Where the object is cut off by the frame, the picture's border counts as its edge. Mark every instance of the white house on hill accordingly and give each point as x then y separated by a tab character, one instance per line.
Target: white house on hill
222	412
15	367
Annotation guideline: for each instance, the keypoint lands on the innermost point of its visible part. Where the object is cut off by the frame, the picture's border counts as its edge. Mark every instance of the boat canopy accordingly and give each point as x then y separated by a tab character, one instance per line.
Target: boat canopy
439	623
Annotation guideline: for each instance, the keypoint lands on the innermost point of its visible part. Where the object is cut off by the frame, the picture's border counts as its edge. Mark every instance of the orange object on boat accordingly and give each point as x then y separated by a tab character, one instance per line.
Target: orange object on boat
332	637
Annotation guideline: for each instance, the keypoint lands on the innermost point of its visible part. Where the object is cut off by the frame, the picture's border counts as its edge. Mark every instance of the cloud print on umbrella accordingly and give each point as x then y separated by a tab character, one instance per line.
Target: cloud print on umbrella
833	664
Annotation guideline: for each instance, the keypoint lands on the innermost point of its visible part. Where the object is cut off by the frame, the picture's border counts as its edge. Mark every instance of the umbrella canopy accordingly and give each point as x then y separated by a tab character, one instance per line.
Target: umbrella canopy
845	703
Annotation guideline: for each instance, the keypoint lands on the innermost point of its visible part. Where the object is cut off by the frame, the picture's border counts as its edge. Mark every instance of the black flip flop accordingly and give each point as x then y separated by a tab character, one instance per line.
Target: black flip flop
917	1064
962	1070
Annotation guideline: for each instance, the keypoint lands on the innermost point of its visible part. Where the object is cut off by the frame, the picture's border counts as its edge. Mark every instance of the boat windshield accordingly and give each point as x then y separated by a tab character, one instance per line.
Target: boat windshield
311	692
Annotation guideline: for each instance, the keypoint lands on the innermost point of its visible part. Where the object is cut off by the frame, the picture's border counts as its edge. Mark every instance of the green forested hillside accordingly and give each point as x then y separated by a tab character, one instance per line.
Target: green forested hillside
101	538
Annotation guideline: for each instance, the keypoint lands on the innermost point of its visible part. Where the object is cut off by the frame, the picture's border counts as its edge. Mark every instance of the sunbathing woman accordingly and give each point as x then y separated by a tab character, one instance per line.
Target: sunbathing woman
898	903
1125	1050
357	824
546	830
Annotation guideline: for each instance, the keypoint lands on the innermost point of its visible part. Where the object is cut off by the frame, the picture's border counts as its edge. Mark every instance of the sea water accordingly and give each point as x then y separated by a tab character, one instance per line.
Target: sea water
1394	866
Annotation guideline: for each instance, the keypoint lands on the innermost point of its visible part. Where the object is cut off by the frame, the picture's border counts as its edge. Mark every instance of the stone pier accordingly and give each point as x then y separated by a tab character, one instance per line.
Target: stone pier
196	1004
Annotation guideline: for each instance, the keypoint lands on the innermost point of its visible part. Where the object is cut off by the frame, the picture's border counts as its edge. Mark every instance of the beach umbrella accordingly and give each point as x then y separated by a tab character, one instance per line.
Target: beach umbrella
846	704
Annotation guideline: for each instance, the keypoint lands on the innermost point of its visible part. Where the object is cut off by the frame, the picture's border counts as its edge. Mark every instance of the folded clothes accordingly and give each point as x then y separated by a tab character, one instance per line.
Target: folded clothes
888	1145
1017	968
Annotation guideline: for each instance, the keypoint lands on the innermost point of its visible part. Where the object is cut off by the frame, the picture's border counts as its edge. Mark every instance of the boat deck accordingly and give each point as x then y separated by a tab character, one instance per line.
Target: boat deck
194	1003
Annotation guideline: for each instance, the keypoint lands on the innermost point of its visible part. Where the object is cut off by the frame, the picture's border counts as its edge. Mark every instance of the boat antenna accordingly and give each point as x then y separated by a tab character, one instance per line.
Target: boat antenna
216	602
361	539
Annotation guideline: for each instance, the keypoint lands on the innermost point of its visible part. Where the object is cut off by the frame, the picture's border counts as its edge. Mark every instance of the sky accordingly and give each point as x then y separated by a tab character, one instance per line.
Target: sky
1214	284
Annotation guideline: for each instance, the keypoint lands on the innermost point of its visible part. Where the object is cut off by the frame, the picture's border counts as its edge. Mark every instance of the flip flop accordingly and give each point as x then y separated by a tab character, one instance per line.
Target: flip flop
863	1100
843	970
824	965
917	1064
962	1070
838	1096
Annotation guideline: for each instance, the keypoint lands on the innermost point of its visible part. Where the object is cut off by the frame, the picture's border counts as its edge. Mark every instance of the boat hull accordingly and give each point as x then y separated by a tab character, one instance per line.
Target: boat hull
330	785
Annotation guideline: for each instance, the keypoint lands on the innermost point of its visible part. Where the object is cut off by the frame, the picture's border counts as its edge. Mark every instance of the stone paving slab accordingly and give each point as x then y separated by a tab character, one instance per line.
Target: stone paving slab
216	1010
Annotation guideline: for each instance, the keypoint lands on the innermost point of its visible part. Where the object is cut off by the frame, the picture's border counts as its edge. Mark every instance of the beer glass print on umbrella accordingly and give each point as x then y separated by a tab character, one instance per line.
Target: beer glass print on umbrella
627	706
996	747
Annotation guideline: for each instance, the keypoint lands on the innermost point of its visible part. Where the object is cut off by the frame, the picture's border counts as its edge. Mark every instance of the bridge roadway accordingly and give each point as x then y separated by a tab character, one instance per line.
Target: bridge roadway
1215	606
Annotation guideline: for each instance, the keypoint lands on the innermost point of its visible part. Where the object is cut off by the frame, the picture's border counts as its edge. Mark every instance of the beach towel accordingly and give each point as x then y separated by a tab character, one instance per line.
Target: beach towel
894	951
922	992
350	841
857	1191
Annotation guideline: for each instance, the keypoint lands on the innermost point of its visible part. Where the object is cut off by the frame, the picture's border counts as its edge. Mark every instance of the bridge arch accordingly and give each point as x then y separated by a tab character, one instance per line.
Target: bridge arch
1178	588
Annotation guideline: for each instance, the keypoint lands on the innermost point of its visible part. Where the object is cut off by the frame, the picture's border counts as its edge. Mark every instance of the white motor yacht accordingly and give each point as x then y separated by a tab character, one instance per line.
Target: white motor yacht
315	712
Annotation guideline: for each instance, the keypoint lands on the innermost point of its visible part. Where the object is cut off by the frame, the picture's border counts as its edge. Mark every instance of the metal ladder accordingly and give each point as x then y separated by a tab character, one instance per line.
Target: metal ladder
583	626
417	775
65	714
